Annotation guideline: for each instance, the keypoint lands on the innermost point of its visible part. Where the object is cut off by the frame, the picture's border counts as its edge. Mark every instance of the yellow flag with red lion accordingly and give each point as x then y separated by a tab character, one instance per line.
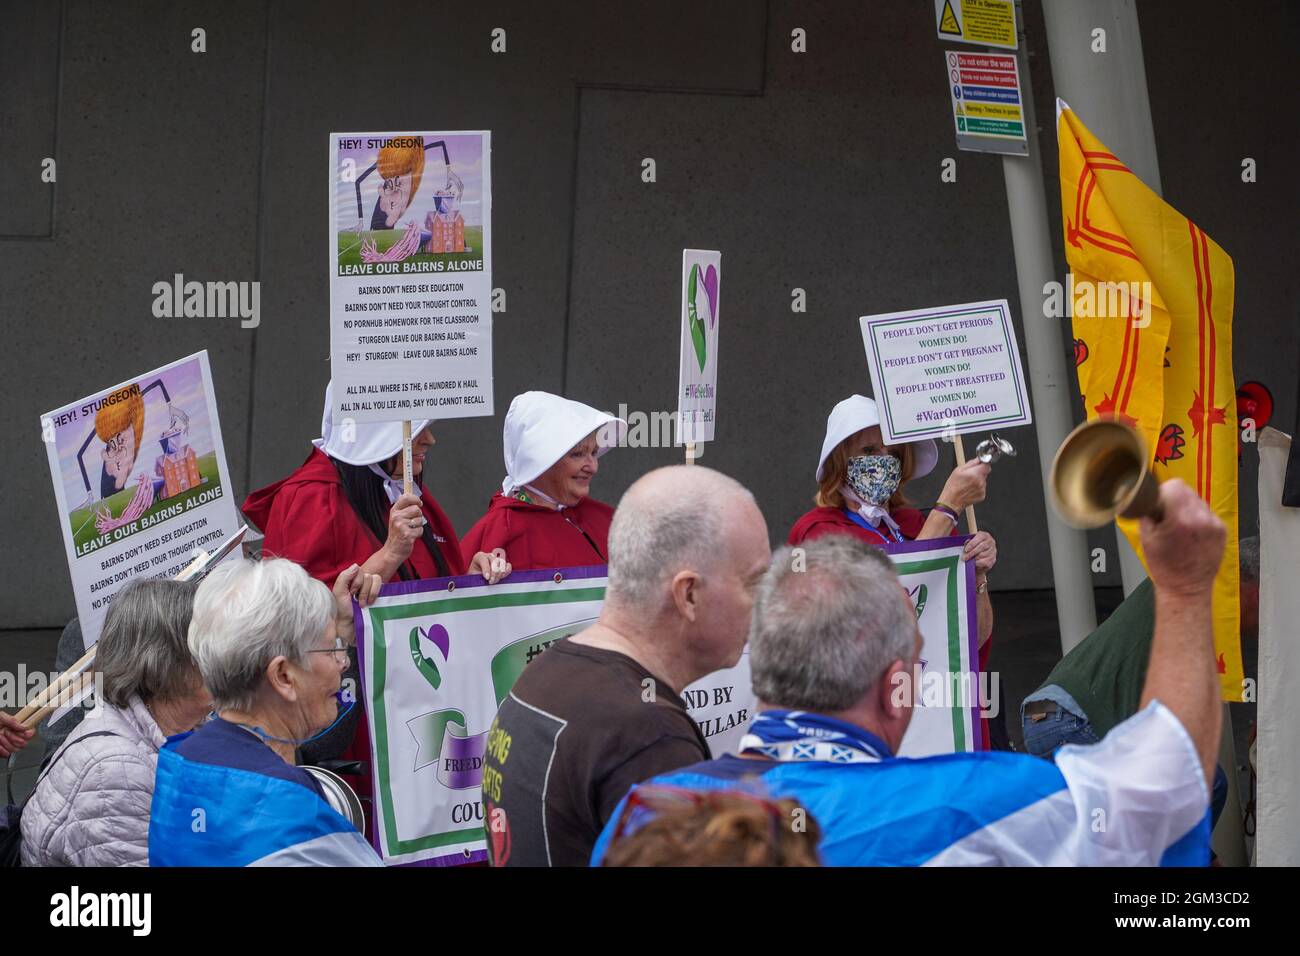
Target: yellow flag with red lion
1152	318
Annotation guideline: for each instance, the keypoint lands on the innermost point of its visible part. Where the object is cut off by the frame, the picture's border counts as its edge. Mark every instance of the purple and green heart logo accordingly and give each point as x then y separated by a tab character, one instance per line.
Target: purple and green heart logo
701	308
439	638
919	595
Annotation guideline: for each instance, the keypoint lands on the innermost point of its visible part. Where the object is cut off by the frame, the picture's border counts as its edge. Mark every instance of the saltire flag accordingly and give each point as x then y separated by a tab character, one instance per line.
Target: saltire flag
1152	319
204	814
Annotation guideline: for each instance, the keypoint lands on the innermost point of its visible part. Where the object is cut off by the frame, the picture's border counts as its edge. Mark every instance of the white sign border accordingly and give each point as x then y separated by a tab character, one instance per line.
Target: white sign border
879	383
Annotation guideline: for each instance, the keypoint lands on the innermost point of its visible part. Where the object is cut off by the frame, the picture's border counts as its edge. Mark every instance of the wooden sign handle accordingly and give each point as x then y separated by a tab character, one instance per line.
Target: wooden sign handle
690	453
406	458
971	526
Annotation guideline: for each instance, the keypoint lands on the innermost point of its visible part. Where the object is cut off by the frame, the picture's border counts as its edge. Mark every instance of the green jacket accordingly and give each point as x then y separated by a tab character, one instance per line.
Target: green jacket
1107	669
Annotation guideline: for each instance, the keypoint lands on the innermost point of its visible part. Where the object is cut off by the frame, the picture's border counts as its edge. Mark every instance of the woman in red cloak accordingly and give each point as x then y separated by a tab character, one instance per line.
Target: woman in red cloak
544	515
343	506
860	492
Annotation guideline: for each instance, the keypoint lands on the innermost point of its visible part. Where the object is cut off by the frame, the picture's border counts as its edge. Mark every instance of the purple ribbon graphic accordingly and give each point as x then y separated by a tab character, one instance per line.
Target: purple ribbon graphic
460	761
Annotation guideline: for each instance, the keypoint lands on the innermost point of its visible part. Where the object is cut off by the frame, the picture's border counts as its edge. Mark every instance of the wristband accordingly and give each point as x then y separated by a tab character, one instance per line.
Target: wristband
943	509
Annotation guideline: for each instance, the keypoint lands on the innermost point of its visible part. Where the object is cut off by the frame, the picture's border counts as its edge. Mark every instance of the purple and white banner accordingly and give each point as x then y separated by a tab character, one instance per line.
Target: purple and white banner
438	657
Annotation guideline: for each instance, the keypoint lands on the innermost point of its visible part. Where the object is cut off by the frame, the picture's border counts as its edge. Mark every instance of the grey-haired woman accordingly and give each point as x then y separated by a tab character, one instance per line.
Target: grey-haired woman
91	807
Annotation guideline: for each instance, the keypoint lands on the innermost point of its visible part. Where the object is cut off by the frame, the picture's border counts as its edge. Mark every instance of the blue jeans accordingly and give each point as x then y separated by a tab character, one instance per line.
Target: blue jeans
1045	733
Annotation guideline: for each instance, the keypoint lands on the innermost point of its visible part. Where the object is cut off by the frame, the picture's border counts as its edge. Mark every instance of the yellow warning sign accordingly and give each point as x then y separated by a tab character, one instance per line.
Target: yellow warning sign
986	22
1007	111
948	21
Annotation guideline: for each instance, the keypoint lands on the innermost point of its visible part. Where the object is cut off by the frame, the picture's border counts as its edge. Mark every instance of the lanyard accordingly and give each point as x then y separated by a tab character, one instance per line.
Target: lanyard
859	520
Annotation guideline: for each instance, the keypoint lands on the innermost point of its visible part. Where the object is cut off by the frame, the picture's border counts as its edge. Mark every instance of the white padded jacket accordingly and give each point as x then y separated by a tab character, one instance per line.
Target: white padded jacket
91	808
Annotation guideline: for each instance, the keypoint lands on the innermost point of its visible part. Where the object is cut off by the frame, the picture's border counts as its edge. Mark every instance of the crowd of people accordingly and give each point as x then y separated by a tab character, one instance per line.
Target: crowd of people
214	696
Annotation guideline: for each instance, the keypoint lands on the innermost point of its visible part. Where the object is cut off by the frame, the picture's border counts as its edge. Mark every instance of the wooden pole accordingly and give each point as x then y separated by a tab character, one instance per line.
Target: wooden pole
61	682
971	526
406	457
76	675
690	453
67	694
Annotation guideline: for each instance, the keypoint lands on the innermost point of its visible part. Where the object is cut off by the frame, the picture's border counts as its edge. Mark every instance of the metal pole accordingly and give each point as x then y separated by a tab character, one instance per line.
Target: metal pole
1049	380
1103	78
1098	68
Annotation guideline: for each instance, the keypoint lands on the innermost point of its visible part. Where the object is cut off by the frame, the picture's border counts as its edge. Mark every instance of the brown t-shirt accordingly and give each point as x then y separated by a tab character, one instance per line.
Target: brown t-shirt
580	728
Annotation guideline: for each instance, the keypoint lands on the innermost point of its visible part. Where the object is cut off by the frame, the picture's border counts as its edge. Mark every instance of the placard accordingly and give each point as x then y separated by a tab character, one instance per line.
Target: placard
697	380
948	689
141	482
410	252
945	371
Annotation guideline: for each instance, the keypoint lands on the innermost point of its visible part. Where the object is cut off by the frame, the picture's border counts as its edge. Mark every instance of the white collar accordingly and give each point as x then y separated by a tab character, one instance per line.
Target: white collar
533	490
872	514
393	487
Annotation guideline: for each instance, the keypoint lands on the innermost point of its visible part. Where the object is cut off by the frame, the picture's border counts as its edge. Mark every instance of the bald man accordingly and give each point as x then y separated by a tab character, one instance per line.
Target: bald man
602	710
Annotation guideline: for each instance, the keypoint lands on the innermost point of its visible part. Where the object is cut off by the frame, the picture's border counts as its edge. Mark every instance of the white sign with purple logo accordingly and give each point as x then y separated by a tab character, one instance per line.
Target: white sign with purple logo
697	383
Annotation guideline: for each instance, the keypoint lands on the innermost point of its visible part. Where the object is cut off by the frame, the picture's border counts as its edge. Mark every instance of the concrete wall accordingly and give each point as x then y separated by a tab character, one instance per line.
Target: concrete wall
816	170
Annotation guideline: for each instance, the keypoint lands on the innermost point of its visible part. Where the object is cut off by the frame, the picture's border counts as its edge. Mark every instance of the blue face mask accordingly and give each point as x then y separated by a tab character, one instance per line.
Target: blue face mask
874	478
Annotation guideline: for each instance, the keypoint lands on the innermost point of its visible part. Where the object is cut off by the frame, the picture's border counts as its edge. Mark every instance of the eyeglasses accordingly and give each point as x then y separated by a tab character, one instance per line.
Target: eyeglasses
340	647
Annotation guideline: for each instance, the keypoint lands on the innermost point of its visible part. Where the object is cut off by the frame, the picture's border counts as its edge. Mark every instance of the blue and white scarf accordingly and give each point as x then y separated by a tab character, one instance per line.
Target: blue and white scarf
795	735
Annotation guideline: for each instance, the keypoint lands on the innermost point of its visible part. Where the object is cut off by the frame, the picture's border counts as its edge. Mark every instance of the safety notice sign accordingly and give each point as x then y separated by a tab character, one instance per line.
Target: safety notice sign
987	109
986	22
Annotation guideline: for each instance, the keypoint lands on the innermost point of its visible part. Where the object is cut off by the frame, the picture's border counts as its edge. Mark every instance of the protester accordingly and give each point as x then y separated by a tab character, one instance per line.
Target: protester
271	645
345	506
600	711
1099	683
91	807
860	492
718	828
832	650
544	515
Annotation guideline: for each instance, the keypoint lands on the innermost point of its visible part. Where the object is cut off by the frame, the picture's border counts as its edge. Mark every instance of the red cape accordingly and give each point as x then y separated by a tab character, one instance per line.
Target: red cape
308	519
534	536
822	521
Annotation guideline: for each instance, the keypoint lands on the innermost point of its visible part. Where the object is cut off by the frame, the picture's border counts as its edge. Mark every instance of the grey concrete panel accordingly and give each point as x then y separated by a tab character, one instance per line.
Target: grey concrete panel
158	161
828	182
817	170
333	72
29	79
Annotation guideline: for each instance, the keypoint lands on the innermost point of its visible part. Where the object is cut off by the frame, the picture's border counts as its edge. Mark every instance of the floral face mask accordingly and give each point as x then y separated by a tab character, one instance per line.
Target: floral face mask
874	478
